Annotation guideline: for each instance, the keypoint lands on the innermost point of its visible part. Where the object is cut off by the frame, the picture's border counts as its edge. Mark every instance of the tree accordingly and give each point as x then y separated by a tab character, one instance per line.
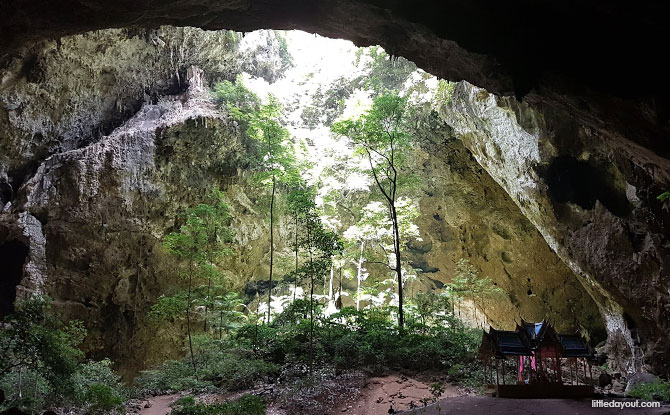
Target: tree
385	73
300	202
321	246
430	308
36	345
382	136
361	234
469	284
277	163
199	243
216	218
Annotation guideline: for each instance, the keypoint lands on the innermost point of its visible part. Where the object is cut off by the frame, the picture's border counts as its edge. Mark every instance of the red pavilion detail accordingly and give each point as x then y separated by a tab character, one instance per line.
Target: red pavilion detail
535	361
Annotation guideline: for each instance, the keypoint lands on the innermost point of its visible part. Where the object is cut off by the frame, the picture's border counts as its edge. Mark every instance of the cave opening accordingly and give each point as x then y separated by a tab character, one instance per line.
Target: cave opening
582	182
13	256
316	95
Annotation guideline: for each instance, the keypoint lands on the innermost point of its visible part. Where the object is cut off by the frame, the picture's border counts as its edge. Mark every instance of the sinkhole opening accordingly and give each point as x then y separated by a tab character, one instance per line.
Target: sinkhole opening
13	256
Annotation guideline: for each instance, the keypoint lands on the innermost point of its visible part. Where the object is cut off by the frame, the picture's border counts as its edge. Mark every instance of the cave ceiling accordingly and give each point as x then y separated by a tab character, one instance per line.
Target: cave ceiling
603	61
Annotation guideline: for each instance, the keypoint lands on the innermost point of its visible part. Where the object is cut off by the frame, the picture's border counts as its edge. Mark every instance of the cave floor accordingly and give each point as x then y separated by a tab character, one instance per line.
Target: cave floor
486	405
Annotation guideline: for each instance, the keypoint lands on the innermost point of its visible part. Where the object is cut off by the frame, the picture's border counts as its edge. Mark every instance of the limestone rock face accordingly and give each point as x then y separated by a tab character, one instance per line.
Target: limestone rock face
61	95
464	213
92	215
593	199
102	209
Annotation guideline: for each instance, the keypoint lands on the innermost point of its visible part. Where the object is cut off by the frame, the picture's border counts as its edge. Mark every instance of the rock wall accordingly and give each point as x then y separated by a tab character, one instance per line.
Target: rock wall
60	95
103	209
100	162
593	199
466	214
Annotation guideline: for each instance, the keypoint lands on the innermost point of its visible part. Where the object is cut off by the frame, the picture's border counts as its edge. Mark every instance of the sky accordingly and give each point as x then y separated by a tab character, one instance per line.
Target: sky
318	62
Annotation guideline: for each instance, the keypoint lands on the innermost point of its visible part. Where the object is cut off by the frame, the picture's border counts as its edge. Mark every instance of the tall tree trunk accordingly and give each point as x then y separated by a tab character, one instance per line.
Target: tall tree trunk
188	317
207	300
359	275
330	284
272	246
295	282
221	324
340	291
398	268
311	304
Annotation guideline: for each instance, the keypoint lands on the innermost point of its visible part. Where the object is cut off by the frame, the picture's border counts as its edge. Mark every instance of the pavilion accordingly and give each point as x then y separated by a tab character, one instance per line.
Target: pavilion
544	363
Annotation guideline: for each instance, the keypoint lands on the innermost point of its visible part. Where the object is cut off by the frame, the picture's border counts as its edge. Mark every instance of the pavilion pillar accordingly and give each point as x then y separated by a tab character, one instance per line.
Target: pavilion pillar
497	380
504	364
518	365
491	371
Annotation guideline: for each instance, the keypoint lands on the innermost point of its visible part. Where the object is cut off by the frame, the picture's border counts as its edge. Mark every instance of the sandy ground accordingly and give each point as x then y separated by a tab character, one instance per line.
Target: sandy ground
485	405
403	393
395	391
160	405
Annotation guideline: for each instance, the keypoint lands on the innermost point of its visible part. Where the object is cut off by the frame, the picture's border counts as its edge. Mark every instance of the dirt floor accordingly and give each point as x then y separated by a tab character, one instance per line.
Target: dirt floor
158	405
377	396
405	395
395	391
486	405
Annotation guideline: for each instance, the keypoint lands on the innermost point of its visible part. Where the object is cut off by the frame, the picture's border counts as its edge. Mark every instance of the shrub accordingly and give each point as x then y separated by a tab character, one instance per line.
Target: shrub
38	354
246	405
655	391
102	398
219	366
235	372
90	377
172	375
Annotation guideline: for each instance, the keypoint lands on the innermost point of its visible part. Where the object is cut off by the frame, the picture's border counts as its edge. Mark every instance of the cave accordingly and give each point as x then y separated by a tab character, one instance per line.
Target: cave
13	256
114	130
582	183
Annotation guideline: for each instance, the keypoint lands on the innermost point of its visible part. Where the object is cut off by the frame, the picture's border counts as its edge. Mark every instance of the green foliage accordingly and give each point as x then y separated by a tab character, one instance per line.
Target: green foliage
328	103
95	383
203	237
172	375
246	405
385	73
468	284
219	366
102	399
656	391
168	308
382	136
275	158
665	196
199	243
444	92
41	364
286	58
38	353
367	339
235	98
239	102
430	308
